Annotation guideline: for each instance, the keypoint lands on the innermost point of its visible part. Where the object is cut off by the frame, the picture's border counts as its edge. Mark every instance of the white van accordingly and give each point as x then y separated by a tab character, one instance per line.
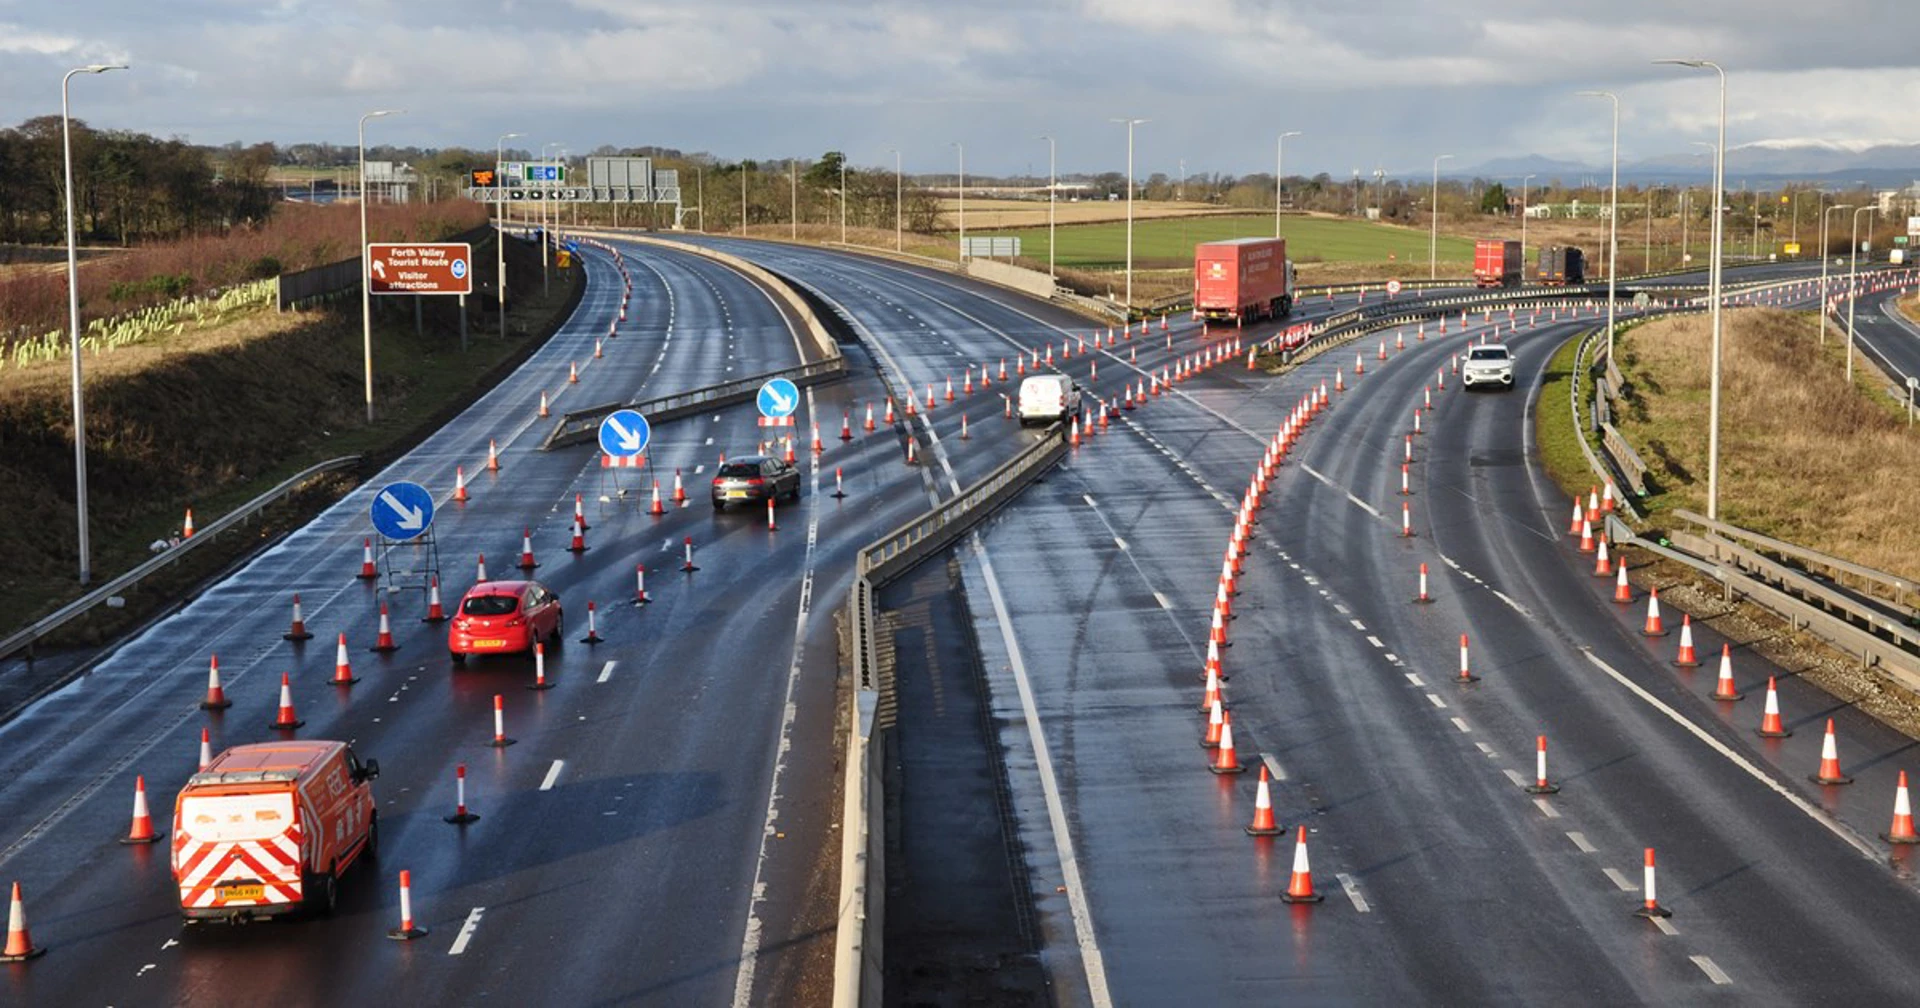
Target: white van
1048	398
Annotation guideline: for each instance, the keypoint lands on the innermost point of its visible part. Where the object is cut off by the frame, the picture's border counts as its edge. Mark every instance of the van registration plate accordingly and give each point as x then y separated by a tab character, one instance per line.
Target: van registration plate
235	893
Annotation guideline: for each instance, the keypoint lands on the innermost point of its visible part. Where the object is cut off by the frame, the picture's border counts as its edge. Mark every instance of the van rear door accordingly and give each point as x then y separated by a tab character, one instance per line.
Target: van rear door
237	850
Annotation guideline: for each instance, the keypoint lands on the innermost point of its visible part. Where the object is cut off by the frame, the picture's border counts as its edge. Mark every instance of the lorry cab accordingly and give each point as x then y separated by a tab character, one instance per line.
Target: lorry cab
1047	398
267	829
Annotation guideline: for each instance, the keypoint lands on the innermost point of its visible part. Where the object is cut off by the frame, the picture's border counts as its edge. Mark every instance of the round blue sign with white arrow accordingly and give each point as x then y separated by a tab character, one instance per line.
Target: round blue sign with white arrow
458	268
624	433
779	398
402	510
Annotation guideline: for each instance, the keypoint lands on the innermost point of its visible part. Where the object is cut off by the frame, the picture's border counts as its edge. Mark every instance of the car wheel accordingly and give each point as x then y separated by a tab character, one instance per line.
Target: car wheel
373	837
458	658
323	894
559	633
719	505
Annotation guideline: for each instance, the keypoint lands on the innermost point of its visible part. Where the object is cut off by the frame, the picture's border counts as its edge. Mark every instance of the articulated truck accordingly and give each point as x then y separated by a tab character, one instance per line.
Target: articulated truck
1242	280
1561	265
1496	263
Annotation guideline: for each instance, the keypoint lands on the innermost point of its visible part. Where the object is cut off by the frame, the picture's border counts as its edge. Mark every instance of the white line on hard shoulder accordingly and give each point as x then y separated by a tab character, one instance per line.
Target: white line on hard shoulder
1817	815
606	671
466	931
553	774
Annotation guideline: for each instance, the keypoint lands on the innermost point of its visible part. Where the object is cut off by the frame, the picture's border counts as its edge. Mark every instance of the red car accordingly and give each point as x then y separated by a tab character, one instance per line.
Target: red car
504	616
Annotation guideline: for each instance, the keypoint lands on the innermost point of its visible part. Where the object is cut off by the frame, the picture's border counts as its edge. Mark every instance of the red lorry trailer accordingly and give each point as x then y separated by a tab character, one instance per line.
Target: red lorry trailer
1242	280
1496	263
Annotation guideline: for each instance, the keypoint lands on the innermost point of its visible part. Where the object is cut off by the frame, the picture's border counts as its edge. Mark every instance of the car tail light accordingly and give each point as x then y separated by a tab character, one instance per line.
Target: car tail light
756	481
514	622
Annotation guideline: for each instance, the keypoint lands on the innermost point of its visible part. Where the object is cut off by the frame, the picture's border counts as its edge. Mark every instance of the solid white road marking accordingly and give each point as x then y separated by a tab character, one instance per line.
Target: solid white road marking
606	671
466	931
1089	500
1624	883
553	774
1162	599
1711	969
1122	543
1353	891
1580	840
1740	761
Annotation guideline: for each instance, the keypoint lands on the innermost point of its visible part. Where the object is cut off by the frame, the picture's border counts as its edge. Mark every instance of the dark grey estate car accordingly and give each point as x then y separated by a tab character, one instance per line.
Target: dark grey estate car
754	478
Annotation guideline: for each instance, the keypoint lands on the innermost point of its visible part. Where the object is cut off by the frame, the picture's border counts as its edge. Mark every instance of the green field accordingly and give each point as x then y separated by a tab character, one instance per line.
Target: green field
1168	242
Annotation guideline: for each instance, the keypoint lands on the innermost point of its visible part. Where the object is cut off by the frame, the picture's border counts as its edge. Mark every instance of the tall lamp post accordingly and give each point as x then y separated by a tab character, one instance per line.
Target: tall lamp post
73	323
1053	194
1433	227
1646	258
1131	123
962	187
1713	285
1853	284
1824	260
1613	215
1280	177
1523	219
500	240
897	190
843	199
366	271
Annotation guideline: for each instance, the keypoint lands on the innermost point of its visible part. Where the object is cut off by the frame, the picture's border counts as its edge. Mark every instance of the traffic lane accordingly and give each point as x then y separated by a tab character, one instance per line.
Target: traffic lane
1589	720
725	320
418	759
1886	335
191	689
1118	697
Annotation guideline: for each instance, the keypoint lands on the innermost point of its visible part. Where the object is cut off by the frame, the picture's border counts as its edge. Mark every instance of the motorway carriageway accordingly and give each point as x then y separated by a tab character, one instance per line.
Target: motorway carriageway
661	833
1445	880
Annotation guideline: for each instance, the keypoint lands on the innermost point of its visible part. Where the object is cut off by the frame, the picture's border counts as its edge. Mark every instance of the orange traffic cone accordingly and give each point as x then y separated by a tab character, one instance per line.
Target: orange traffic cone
1901	832
846	426
299	630
1573	529
186	527
1686	658
1541	785
142	831
544	410
1654	627
1586	536
287	720
1770	724
493	456
578	544
342	667
679	488
436	613
480	569
1225	760
206	748
1830	761
20	945
1212	693
656	508
459	484
1602	564
383	644
1216	725
1622	592
367	571
216	696
1263	824
1723	688
1650	907
869	425
1300	887
527	562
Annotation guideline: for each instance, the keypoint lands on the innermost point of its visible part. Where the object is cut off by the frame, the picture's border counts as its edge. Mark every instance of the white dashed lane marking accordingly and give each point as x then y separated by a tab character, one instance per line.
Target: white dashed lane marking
606	671
553	775
1624	883
1712	970
1580	840
466	931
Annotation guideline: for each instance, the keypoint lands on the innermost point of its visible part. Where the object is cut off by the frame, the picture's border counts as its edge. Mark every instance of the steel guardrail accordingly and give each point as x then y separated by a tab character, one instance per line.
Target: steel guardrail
582	425
1901	587
25	638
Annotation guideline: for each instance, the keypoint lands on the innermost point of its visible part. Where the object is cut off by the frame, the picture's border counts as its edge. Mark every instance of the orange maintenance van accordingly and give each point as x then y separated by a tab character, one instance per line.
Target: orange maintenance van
267	829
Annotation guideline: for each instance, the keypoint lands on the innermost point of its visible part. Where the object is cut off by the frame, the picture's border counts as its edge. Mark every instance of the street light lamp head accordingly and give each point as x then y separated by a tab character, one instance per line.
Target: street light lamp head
94	68
384	112
1697	64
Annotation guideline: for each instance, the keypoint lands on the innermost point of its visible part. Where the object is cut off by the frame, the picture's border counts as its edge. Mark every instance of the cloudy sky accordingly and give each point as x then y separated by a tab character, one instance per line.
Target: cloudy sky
1385	83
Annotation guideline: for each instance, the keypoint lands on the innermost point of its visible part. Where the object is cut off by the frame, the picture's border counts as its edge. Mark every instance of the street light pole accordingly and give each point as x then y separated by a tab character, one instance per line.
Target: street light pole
1523	219
793	179
1713	286
1853	285
897	190
73	325
1131	123
1613	216
1685	255
958	146
366	271
1053	194
1824	259
1646	258
1433	227
1280	177
743	199
843	199
500	239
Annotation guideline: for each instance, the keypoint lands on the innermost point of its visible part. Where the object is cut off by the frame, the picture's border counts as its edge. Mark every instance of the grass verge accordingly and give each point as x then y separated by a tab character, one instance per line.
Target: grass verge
210	418
1167	243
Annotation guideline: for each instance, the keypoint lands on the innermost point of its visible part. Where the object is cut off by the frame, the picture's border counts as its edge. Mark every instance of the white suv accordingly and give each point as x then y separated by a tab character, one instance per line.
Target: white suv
1488	364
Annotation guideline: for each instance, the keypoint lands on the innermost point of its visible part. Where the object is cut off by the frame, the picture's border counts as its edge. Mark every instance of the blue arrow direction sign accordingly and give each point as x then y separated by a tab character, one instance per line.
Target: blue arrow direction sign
402	510
624	433
779	398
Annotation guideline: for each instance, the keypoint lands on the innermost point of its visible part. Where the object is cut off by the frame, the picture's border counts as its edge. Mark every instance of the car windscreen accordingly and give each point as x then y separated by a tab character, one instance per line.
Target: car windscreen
491	605
1488	353
740	469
